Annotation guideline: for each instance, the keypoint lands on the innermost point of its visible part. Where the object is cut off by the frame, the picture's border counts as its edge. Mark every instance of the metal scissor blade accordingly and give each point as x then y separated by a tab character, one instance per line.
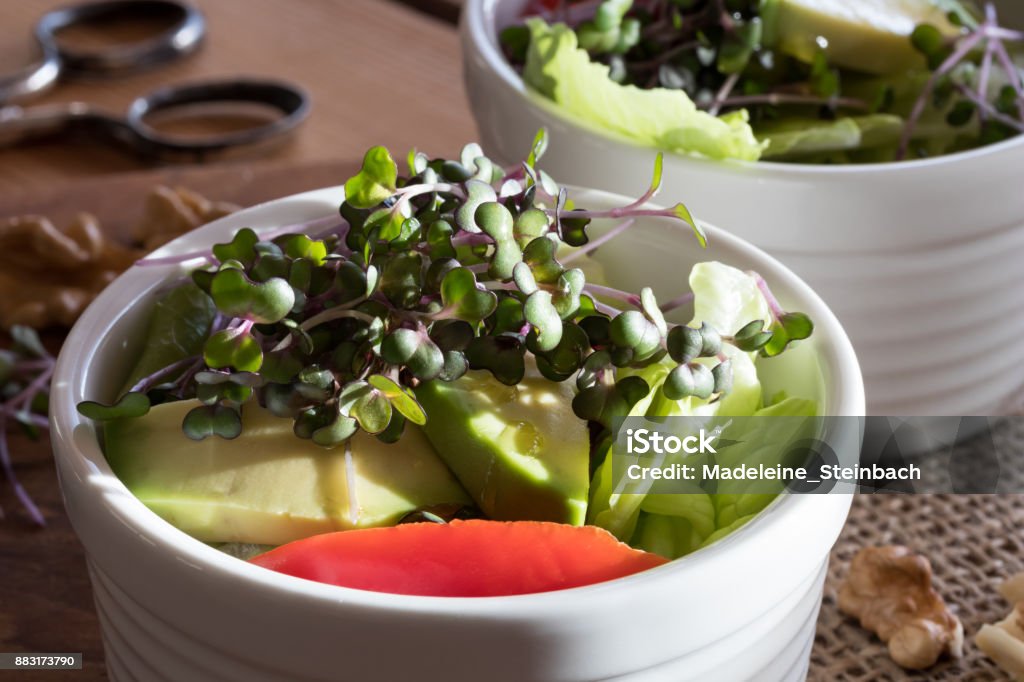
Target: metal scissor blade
20	125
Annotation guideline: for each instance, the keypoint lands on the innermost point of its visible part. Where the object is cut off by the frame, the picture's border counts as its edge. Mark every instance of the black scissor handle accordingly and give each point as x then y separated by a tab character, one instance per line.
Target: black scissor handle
291	101
183	37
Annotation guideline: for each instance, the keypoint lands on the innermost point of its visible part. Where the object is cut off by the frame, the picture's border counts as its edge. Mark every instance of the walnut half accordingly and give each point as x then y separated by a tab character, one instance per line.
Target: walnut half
889	589
48	276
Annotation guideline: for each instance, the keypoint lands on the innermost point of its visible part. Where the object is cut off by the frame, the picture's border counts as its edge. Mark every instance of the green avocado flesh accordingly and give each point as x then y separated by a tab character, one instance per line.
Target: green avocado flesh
872	36
519	450
267	486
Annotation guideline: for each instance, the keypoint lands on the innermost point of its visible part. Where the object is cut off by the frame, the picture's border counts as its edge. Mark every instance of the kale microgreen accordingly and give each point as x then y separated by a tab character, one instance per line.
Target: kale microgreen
460	265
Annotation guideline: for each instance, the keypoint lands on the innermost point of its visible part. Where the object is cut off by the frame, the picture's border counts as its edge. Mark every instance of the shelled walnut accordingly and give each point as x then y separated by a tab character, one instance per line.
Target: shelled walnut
1003	641
48	276
890	590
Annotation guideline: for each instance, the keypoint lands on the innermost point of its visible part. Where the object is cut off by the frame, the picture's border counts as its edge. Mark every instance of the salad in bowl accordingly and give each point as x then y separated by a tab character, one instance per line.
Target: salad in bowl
808	81
412	400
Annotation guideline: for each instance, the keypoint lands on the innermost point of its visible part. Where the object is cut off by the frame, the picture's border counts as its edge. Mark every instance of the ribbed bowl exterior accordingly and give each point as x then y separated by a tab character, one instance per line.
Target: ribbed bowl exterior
142	645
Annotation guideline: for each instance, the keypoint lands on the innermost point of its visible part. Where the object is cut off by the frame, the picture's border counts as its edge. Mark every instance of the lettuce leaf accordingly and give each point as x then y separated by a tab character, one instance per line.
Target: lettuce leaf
797	137
666	119
675	524
725	297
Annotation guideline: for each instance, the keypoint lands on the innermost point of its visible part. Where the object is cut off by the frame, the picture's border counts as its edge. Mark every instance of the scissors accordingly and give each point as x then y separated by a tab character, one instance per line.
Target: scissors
289	103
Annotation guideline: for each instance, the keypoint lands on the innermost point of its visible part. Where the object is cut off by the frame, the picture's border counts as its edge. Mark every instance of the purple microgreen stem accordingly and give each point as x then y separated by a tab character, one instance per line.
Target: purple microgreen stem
595	244
8	468
146	383
334	314
723	93
987	110
677	302
614	294
773	303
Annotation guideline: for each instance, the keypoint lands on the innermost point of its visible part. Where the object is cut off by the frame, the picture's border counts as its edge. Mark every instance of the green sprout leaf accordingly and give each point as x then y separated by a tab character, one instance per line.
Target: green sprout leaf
370	407
261	302
603	403
414	350
545	319
241	248
537	149
375	182
684	343
789	327
529	225
649	305
130	405
711	341
479	193
540	256
752	336
335	432
502	356
680	211
212	420
403	399
632	330
234	348
460	294
301	246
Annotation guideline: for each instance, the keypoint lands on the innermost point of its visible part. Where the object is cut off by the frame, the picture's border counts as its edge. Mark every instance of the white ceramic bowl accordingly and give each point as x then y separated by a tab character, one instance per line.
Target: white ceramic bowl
921	261
172	608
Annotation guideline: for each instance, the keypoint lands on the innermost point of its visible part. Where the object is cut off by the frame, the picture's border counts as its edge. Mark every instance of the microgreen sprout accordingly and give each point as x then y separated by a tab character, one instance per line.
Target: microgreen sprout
25	371
456	265
1001	116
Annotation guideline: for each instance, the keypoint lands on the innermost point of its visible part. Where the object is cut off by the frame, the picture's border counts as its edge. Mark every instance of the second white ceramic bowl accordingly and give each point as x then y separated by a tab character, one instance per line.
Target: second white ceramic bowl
173	608
920	260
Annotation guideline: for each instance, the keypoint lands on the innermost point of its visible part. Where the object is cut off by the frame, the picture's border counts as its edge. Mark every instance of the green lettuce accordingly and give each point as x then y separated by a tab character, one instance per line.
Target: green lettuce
797	137
667	119
674	524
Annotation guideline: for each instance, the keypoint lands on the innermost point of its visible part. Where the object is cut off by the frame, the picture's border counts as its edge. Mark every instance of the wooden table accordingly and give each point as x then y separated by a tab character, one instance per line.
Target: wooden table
379	73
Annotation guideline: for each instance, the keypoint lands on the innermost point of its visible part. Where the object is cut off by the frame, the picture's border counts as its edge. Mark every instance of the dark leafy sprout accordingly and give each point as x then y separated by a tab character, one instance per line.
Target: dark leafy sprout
25	370
958	70
457	265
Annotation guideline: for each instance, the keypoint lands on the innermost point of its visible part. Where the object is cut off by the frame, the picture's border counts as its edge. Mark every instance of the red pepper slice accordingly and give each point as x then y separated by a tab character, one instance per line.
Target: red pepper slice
462	558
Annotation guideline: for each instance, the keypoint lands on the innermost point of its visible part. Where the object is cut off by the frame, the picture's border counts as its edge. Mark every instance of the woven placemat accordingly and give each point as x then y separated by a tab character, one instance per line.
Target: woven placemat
973	542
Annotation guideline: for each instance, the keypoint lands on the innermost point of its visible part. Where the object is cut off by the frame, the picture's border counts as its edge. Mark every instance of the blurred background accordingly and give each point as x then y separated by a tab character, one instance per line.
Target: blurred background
376	72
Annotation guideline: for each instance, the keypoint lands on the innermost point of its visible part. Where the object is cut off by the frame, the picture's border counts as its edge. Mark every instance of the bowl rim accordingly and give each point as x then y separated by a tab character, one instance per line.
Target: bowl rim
483	37
75	441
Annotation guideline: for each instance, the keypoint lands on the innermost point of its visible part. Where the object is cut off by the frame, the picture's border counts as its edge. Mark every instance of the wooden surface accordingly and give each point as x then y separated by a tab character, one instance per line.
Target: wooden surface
379	72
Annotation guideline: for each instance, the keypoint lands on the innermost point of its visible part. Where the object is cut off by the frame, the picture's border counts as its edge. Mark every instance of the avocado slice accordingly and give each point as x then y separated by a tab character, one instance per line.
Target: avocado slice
520	451
872	36
268	486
